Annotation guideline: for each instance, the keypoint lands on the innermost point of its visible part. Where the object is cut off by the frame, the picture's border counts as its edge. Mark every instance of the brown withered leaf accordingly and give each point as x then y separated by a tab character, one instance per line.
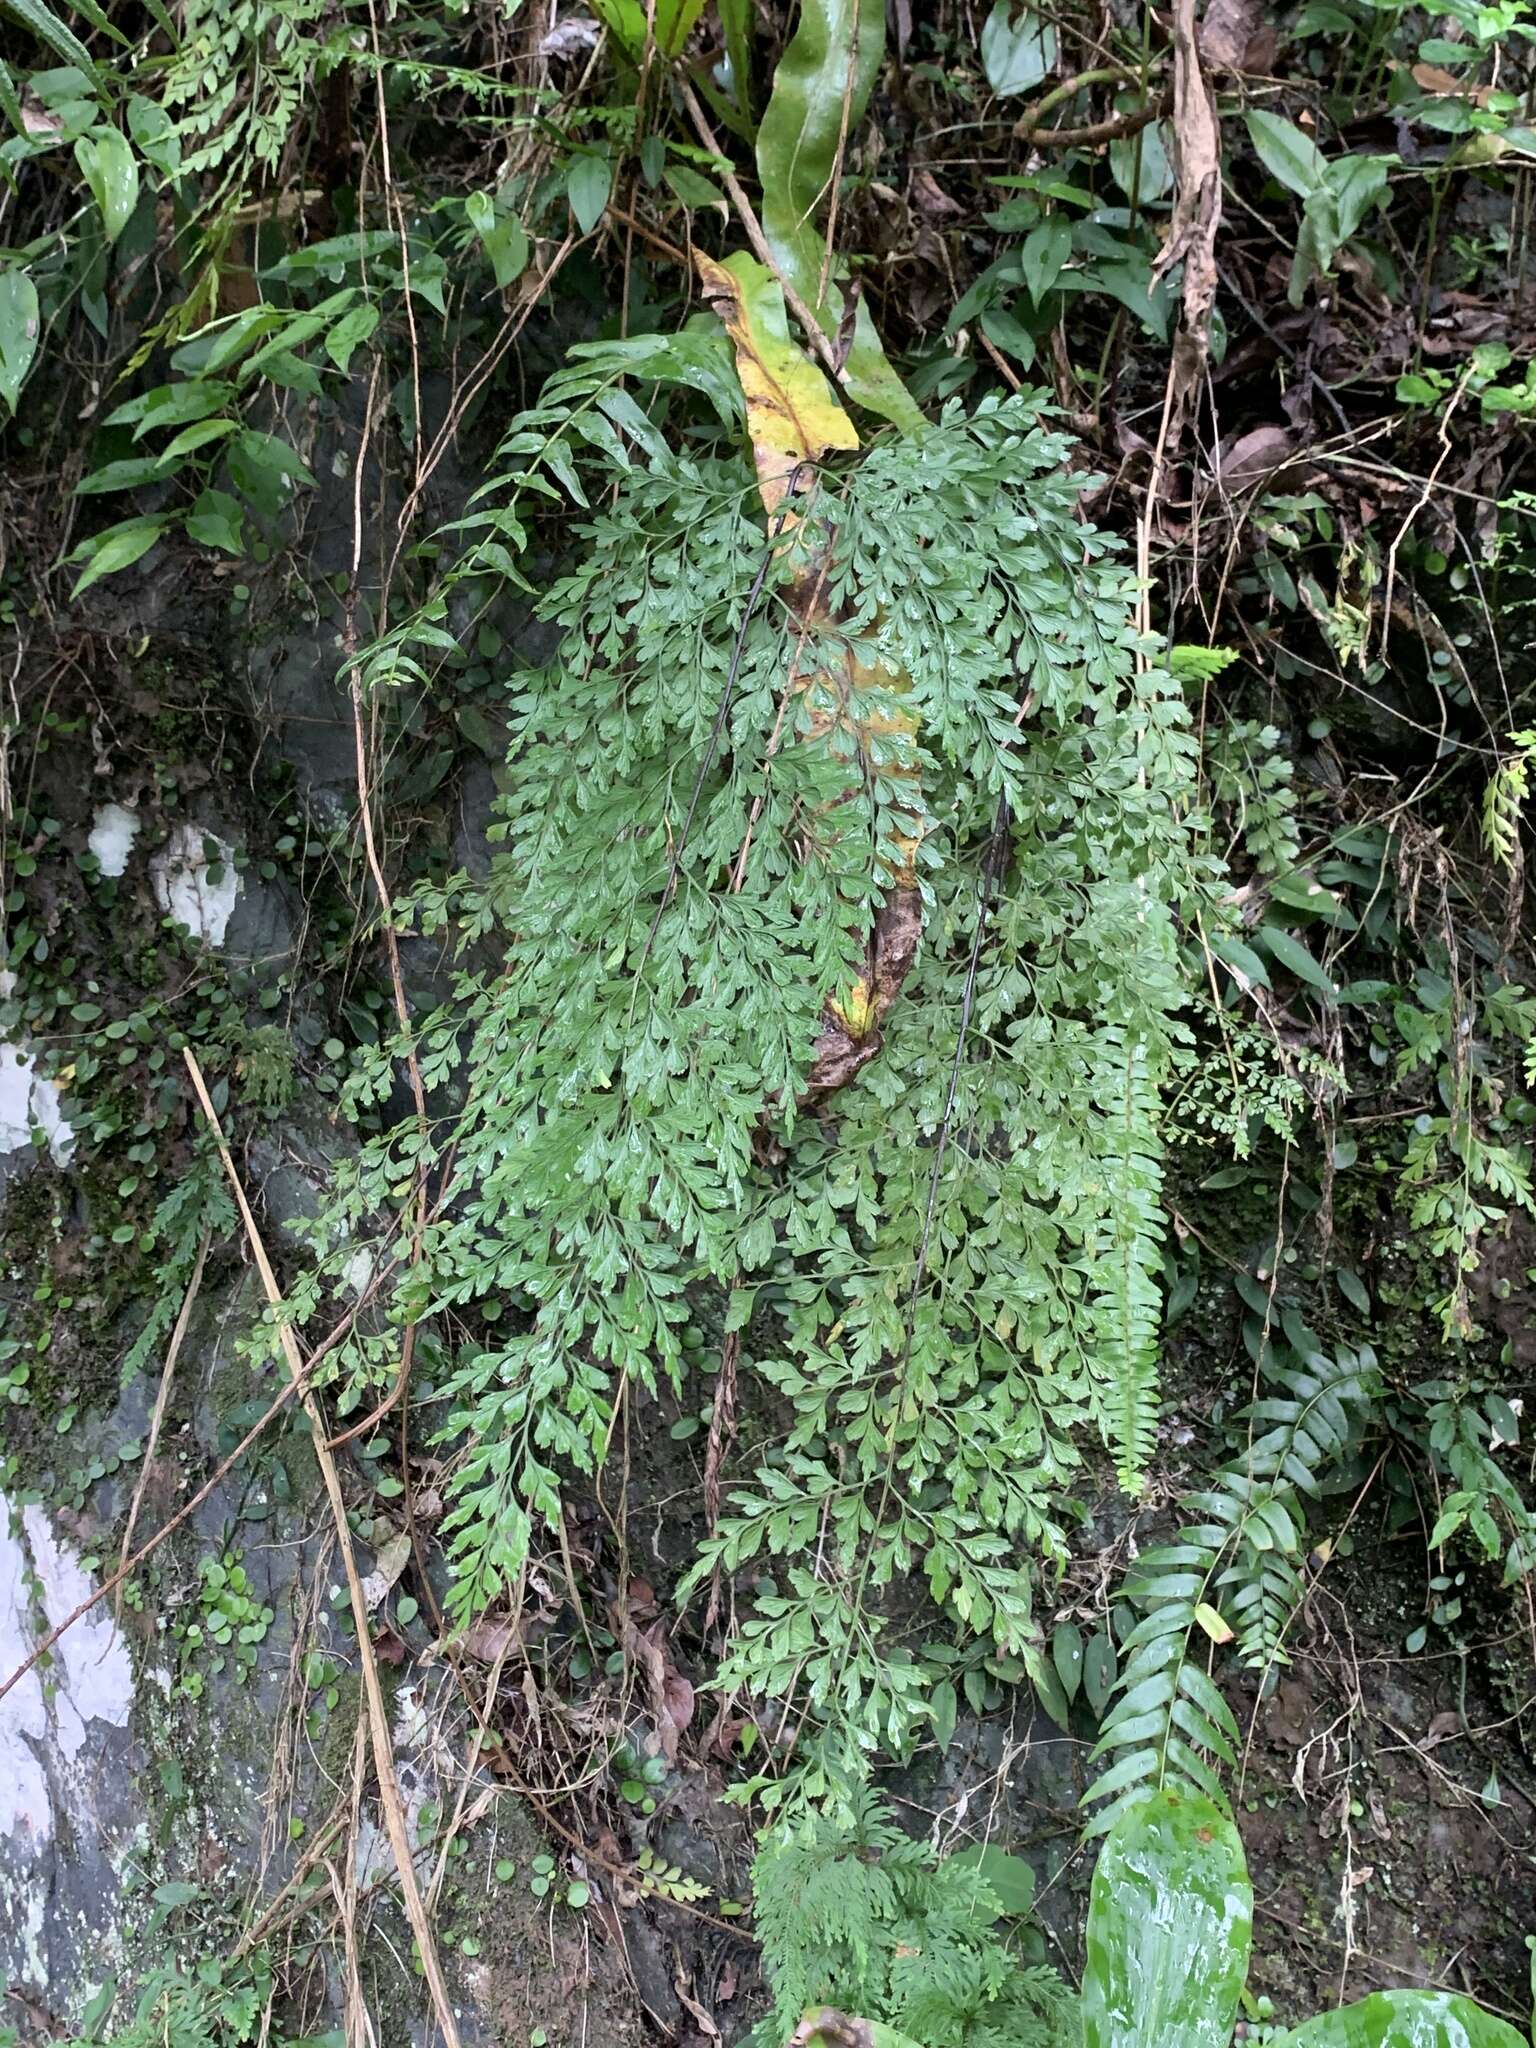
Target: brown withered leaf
829	2029
1255	455
1228	32
1196	208
668	1694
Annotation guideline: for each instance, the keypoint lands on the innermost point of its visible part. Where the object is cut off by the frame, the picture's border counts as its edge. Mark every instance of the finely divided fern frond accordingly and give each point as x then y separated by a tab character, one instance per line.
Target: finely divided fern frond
863	1917
696	843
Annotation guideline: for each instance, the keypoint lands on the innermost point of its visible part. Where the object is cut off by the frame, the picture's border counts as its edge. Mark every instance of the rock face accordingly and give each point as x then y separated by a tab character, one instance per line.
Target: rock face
71	1809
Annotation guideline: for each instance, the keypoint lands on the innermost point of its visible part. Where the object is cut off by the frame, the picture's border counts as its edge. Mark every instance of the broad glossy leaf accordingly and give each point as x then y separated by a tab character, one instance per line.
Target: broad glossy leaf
1009	1878
792	416
1405	2019
1287	153
110	168
820	90
1170	1924
19	323
1017	49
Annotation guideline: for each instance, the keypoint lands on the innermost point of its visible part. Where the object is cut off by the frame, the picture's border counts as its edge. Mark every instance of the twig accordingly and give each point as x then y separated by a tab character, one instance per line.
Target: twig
1027	128
162	1398
383	1754
1111	129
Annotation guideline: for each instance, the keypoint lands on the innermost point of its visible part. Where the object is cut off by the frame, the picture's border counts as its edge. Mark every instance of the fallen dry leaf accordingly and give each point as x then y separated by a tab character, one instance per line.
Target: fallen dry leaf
1196	210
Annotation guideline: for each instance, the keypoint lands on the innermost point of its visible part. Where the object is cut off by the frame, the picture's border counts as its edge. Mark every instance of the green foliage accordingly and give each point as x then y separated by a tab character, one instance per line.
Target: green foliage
877	1922
1405	2019
1504	799
963	1271
211	2004
1234	1570
1170	1926
820	88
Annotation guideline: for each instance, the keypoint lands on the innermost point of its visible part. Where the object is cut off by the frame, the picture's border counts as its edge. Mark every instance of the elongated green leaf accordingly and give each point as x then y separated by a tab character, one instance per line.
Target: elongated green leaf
126	475
1291	953
820	91
1405	2019
1287	154
736	17
19	323
675	23
10	105
47	27
1170	1924
110	168
117	548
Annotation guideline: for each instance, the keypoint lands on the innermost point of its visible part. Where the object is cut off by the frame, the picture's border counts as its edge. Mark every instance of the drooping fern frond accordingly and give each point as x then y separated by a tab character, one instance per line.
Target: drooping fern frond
1232	1573
714	791
1127	1304
1504	799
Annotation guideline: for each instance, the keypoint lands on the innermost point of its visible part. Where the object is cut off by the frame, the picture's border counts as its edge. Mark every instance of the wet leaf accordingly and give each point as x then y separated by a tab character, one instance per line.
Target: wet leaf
19	324
110	168
1067	1656
1100	1668
1170	1925
1405	2019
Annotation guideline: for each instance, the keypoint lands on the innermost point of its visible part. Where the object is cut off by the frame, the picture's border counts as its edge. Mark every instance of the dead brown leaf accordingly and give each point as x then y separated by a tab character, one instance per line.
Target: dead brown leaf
1196	208
1229	32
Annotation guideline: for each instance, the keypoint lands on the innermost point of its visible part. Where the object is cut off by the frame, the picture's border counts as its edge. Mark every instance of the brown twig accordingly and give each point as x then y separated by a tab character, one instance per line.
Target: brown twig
383	1753
1112	129
1027	128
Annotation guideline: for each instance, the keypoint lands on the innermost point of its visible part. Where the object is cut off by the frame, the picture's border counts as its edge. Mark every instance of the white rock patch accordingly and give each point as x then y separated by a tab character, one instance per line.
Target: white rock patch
29	1101
113	831
179	874
91	1678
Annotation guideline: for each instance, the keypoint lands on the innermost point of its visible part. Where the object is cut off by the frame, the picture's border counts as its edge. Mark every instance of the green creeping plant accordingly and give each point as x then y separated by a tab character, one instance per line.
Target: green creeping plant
1170	1927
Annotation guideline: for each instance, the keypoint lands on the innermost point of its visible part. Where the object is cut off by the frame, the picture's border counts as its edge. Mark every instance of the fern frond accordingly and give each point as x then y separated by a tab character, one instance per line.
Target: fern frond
1233	1572
1127	1305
